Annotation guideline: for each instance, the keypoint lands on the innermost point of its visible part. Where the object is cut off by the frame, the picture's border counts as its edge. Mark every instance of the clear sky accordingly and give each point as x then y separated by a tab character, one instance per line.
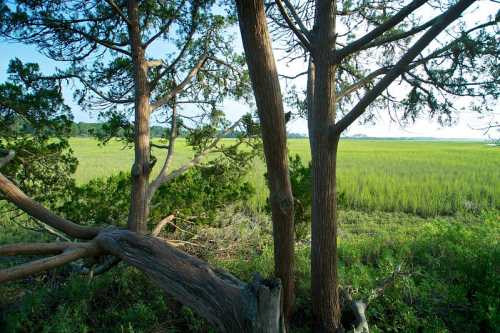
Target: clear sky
466	126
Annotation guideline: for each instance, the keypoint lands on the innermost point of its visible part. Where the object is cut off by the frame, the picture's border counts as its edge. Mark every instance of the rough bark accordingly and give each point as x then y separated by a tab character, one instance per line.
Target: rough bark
266	87
324	278
226	302
139	208
44	264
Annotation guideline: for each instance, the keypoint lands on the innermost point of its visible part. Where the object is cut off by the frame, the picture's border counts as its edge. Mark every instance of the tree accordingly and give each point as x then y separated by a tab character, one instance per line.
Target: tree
356	50
266	87
115	37
110	47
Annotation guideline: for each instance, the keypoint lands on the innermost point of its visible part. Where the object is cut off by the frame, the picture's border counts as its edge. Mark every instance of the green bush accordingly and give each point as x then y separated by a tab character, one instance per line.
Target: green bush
200	192
122	300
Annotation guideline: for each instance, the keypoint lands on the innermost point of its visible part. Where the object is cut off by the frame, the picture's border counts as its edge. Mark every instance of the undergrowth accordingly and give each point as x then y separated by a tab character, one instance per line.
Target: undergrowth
447	280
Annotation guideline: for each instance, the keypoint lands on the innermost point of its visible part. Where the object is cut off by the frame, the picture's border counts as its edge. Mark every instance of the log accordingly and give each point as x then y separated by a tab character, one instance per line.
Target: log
226	302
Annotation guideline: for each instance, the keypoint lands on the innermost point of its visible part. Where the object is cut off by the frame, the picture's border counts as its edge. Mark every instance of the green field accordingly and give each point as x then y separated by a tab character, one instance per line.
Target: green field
429	208
425	178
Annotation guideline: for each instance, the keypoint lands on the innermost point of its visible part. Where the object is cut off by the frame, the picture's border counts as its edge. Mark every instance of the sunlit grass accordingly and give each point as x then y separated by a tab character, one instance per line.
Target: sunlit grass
417	177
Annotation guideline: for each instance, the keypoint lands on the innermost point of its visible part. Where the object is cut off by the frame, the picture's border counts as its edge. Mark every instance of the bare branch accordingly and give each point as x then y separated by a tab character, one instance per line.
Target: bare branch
41	265
154	63
39	248
291	77
159	227
196	160
170	155
361	83
297	18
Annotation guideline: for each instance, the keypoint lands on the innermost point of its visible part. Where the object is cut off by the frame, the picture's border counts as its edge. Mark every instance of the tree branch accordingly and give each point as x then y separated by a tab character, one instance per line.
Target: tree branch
39	248
301	35
117	10
159	227
33	208
401	35
178	88
297	18
170	154
166	26
196	160
402	65
378	31
41	265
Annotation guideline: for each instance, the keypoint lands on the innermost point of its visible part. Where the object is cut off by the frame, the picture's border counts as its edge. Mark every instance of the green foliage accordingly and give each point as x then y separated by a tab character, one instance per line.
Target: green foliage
448	280
201	192
35	123
123	300
450	273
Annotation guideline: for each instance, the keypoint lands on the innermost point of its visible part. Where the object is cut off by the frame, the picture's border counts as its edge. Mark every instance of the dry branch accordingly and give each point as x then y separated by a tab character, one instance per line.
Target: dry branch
41	265
159	227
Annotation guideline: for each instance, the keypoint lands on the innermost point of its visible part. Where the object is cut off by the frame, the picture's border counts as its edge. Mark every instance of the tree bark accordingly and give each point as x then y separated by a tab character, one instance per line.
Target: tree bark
324	278
139	208
267	91
226	302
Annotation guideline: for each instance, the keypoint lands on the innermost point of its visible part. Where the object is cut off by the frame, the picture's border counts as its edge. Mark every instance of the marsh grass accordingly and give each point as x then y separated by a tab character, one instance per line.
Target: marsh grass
425	178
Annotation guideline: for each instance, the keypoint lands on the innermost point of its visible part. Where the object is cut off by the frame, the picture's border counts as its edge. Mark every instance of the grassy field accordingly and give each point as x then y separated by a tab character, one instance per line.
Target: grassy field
425	178
395	196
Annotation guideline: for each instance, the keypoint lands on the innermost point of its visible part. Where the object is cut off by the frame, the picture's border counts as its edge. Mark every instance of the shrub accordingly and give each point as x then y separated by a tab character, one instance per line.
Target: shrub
199	192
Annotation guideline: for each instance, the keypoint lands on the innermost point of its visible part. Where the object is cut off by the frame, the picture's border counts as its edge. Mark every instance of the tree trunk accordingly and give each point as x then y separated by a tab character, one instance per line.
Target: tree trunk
266	87
324	279
139	208
226	302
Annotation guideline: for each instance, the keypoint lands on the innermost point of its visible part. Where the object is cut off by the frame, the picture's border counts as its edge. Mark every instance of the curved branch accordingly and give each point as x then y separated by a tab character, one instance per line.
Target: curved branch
36	210
219	297
163	177
118	11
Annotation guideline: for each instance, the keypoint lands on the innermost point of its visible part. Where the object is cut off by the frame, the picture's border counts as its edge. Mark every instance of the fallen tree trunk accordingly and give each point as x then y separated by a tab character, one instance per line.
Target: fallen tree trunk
226	302
219	297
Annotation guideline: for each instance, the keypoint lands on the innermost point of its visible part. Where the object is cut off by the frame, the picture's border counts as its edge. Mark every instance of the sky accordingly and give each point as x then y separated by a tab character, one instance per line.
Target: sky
467	126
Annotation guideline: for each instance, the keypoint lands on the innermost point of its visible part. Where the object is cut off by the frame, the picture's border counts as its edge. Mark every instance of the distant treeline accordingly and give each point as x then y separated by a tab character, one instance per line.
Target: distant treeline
82	129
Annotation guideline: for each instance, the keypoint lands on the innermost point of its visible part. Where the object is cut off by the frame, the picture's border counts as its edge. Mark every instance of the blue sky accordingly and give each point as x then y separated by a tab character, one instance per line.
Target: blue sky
466	127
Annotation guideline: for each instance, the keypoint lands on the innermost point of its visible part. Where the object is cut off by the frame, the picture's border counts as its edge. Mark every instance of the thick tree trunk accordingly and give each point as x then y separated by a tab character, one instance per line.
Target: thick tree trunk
262	67
139	208
226	302
324	279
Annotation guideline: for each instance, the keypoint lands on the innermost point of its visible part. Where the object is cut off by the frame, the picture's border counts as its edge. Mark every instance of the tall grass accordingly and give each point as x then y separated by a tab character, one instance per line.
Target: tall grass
425	178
